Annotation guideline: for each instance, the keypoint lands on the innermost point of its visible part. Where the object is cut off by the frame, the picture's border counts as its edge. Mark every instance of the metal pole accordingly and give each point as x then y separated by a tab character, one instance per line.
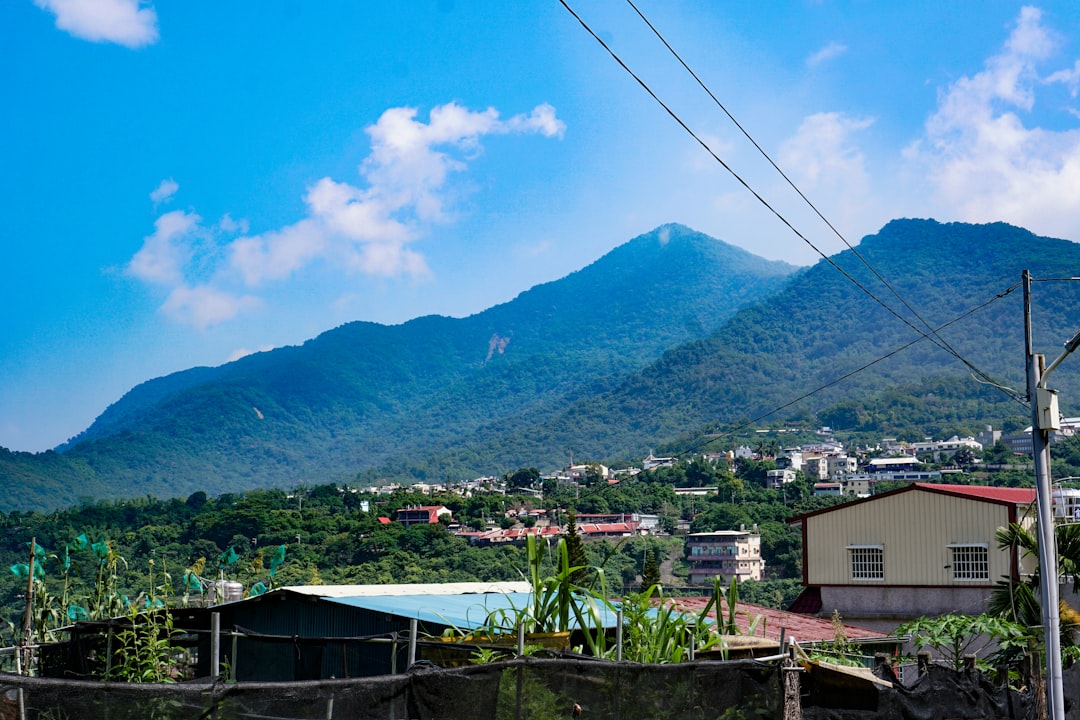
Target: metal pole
215	644
1048	569
413	627
232	657
619	635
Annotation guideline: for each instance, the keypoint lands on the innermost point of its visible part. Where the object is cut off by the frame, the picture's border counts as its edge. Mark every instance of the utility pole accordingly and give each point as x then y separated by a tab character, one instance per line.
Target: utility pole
1044	418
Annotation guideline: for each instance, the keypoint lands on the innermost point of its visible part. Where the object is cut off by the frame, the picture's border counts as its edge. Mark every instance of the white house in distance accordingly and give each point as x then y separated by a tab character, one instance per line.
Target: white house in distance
925	549
727	553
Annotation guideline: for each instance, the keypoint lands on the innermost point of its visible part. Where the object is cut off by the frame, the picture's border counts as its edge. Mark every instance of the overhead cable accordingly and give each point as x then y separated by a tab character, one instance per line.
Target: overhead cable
928	335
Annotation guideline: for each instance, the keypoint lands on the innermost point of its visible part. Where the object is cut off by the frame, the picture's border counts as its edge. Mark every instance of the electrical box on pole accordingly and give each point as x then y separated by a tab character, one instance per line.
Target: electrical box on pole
1049	417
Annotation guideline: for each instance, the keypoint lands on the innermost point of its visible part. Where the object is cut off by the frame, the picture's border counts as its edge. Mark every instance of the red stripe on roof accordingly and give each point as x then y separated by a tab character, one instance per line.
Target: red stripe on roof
1005	494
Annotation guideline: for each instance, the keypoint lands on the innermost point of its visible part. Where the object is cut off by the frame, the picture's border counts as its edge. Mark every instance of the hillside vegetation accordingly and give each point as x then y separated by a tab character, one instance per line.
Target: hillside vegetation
661	341
363	394
821	350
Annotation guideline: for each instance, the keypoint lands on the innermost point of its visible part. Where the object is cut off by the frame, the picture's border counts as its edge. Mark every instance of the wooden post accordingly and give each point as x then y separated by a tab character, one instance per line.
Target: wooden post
789	670
924	663
28	624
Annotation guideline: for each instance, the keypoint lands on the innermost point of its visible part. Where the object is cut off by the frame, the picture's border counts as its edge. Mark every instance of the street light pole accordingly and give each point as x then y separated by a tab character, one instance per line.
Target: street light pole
1044	418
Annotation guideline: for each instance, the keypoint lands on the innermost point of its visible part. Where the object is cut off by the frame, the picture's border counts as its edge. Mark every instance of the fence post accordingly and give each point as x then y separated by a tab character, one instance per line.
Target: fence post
232	657
789	670
969	663
618	635
413	626
215	644
924	663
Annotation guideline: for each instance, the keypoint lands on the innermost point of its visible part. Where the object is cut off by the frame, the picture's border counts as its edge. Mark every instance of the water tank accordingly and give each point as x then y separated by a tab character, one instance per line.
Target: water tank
224	591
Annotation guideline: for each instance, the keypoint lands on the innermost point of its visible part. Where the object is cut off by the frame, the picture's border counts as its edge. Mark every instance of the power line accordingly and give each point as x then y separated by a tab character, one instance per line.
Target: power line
845	376
936	340
943	343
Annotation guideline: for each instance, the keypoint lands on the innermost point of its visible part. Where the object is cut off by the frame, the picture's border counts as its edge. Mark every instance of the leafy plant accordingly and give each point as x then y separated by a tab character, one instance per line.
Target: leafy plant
955	636
145	651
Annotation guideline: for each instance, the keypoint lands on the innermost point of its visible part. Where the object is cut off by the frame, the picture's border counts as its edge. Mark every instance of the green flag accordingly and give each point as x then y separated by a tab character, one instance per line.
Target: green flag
228	557
101	549
192	582
278	558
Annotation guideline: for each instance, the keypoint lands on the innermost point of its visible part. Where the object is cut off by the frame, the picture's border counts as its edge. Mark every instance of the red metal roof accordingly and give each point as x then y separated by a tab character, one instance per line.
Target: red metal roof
1020	496
803	628
998	495
605	528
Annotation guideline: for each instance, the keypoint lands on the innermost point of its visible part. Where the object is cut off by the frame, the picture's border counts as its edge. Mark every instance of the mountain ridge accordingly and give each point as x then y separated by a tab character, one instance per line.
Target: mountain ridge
362	392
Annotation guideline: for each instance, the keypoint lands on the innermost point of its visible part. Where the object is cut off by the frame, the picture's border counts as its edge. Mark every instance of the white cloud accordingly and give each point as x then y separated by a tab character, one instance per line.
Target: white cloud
164	254
821	152
830	51
124	22
984	163
164	191
353	229
231	227
204	305
1070	78
244	352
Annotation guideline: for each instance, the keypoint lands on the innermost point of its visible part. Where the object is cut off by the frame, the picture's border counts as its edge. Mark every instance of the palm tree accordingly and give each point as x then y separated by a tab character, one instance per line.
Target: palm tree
1017	600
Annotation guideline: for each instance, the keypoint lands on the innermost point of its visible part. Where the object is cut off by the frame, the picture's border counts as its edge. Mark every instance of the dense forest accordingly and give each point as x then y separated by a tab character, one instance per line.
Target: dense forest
332	534
329	534
365	395
666	339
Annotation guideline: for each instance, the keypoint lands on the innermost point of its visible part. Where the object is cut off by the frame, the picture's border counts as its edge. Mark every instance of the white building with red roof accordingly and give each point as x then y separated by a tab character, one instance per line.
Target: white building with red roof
925	549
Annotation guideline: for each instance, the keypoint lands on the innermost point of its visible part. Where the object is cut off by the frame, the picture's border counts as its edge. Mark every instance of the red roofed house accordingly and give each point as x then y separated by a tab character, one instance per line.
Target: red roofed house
589	531
418	514
924	549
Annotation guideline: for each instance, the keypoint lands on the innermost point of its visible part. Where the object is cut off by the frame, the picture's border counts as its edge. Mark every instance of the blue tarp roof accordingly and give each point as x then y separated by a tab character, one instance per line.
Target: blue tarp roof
465	612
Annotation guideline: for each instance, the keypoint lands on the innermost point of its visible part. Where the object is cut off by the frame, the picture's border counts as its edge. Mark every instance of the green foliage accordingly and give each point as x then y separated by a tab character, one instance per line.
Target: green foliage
407	393
955	636
655	632
143	651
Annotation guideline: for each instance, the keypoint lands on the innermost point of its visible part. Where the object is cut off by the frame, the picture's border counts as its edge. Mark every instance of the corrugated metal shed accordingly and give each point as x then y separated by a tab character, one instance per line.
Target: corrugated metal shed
462	588
464	612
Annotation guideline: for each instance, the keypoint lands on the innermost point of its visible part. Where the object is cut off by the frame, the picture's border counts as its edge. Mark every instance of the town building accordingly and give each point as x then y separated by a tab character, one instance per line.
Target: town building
925	549
774	479
422	514
725	553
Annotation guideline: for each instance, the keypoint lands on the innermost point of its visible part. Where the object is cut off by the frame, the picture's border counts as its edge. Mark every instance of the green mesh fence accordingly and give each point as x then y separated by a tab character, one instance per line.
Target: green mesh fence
525	689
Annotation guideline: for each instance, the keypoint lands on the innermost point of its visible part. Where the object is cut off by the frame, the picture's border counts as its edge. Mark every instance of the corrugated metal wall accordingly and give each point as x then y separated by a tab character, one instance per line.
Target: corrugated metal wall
915	529
304	618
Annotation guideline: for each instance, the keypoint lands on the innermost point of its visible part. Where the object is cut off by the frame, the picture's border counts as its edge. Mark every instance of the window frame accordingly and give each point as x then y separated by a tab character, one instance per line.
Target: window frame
970	565
866	563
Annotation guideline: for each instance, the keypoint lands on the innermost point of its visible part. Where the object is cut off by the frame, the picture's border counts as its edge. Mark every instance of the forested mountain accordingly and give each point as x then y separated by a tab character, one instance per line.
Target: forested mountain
663	339
822	330
361	395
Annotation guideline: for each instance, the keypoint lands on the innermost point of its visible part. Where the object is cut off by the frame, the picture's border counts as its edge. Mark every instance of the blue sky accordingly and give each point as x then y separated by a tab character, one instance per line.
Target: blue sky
185	183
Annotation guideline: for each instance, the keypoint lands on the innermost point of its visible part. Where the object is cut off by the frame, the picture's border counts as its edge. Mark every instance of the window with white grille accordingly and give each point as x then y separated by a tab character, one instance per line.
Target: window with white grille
970	562
867	562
